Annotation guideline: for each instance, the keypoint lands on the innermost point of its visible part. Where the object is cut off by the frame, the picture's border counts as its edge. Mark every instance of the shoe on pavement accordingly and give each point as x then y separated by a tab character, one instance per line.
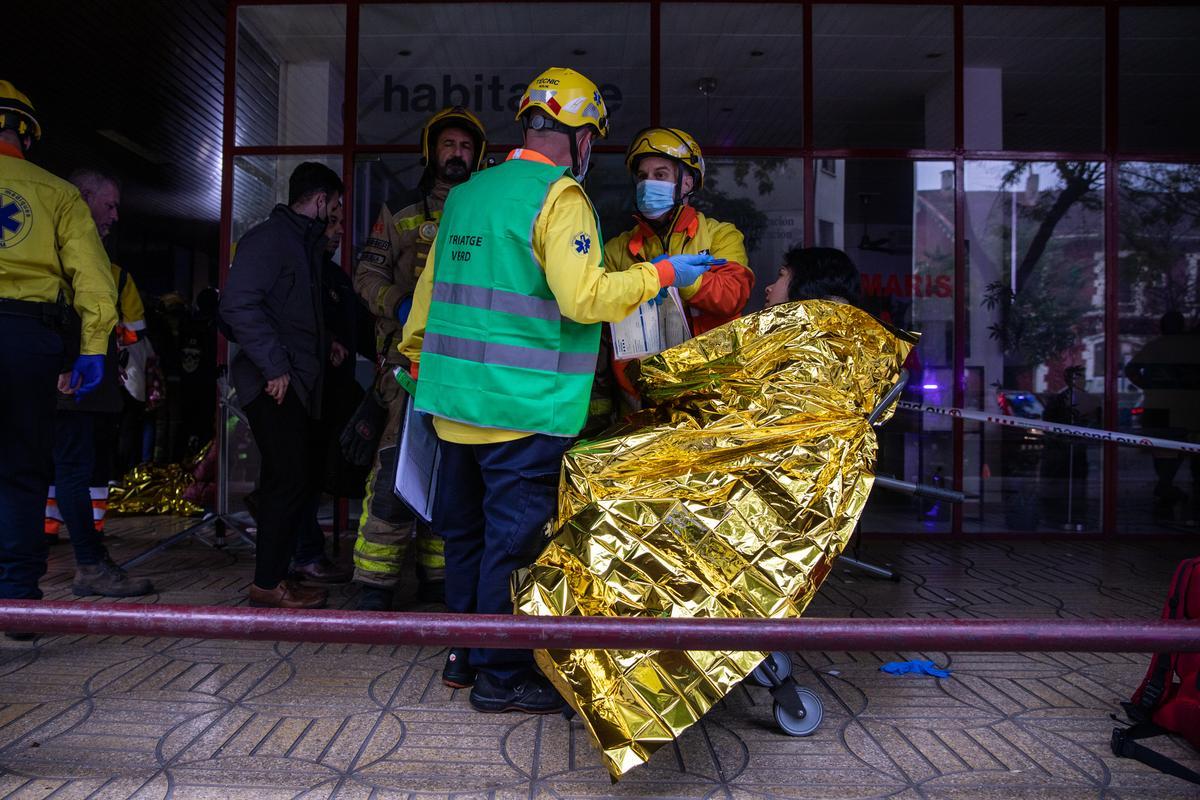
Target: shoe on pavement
287	594
532	695
108	580
321	571
458	672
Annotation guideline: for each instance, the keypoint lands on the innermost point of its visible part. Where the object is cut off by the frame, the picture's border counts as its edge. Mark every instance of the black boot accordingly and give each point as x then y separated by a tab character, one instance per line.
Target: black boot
374	598
458	672
532	695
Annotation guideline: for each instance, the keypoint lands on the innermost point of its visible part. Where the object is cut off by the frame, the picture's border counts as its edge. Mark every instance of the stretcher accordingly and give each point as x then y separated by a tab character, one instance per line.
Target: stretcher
731	495
798	711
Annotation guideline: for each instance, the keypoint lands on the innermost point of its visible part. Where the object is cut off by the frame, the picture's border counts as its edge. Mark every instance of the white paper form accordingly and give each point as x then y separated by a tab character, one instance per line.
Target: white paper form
651	328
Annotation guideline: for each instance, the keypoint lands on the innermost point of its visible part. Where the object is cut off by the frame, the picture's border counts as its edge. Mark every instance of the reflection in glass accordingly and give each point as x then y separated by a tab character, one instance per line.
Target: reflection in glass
1160	79
1033	78
1158	383
1035	335
291	65
883	76
895	219
415	59
378	179
764	199
733	76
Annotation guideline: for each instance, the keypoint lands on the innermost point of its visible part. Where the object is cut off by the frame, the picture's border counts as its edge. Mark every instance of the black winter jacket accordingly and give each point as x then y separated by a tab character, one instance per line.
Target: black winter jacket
272	306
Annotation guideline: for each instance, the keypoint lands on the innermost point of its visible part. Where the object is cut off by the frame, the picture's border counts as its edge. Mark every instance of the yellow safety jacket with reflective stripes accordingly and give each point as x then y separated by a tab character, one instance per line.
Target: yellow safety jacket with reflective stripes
49	244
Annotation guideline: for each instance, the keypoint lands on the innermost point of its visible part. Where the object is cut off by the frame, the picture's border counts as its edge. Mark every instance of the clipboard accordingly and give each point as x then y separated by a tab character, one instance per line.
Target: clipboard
418	456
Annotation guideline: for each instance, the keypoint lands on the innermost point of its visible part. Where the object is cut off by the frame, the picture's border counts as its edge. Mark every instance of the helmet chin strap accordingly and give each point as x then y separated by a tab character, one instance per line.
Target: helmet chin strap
574	155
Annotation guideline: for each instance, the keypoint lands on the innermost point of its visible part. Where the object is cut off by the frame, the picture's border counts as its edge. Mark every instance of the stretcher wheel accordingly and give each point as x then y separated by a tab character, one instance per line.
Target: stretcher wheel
806	725
778	663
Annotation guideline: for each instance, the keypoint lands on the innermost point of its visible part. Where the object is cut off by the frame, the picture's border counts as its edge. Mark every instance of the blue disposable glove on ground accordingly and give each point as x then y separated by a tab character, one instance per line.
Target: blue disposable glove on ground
688	269
87	374
914	667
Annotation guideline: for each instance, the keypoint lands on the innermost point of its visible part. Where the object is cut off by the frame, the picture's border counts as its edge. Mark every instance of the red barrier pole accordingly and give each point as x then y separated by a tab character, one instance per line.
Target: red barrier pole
440	630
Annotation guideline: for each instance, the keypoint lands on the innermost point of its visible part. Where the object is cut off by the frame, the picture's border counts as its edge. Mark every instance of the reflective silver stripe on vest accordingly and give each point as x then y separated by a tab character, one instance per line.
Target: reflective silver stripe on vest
488	299
507	355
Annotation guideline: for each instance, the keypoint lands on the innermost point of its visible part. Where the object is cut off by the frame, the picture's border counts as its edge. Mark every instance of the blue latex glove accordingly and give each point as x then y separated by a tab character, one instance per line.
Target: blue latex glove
403	310
658	298
87	374
917	667
688	269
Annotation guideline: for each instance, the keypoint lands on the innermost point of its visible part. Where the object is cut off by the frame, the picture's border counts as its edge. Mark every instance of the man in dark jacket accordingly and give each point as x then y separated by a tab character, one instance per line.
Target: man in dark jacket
340	398
272	308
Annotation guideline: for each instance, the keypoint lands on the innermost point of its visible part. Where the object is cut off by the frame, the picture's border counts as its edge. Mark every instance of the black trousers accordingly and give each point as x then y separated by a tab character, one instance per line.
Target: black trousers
289	477
30	360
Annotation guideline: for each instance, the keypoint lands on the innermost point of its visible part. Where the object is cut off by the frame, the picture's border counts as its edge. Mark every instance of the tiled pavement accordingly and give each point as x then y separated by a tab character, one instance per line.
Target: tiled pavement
118	717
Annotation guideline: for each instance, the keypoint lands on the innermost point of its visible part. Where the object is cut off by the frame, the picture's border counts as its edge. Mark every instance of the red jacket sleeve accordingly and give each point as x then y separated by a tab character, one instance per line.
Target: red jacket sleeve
723	293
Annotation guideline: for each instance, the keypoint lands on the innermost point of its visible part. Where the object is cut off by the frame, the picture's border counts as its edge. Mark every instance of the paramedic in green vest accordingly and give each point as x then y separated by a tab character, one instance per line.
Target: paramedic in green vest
503	337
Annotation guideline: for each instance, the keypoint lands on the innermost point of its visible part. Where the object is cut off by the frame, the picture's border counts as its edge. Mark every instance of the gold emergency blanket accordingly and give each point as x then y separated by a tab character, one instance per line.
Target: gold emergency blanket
157	489
730	497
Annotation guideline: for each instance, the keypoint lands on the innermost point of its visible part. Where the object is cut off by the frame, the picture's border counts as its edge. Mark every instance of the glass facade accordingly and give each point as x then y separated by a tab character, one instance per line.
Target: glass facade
1019	183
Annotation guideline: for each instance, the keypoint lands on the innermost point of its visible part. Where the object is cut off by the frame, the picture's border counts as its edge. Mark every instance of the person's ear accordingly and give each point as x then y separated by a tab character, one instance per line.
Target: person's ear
689	182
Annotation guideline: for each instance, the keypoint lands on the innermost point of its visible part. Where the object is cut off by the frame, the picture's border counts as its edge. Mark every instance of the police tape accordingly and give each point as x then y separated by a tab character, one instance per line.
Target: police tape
1091	434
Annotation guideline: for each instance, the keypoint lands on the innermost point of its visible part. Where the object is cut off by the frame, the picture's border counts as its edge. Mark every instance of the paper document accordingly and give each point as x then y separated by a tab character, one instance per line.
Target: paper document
417	462
651	328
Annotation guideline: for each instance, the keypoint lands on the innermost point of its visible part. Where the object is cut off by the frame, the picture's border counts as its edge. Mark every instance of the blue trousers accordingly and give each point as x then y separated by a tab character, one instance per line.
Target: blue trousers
74	465
492	506
30	359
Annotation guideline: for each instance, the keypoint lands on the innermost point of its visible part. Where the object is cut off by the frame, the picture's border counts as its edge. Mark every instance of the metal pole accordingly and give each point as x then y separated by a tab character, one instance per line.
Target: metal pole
623	633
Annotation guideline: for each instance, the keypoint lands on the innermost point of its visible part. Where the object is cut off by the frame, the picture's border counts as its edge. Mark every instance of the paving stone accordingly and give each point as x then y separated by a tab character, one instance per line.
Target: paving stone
151	718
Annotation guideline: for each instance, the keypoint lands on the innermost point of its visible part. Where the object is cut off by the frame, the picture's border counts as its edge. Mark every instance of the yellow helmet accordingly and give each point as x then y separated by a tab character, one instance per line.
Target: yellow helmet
16	112
672	143
454	117
567	97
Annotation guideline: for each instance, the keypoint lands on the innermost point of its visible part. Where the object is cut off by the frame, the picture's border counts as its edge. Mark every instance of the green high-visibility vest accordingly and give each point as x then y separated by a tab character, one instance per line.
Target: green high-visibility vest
497	351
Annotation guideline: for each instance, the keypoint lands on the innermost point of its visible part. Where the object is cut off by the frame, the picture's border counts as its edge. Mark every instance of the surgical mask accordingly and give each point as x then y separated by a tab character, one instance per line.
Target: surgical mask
655	198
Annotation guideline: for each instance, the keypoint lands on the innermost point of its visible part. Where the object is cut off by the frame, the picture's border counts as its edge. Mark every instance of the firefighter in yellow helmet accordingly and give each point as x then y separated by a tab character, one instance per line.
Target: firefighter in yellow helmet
669	170
50	255
453	146
505	328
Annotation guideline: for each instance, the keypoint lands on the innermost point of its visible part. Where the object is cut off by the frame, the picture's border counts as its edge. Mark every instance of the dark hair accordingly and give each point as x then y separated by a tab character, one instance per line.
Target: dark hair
820	272
310	178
